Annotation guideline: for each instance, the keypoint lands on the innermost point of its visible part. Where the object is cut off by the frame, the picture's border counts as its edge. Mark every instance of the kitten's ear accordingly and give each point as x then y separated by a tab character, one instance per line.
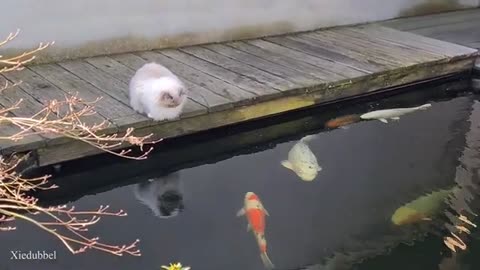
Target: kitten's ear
182	91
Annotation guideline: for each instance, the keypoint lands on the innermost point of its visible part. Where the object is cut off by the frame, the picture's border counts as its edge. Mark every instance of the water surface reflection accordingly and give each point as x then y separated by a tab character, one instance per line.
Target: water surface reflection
344	218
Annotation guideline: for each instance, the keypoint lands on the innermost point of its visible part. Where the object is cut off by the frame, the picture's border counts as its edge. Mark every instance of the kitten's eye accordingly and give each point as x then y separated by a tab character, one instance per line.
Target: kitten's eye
166	97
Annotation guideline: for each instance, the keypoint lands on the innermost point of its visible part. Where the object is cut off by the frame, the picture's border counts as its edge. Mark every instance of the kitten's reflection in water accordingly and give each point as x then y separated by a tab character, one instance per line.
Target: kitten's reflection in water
163	195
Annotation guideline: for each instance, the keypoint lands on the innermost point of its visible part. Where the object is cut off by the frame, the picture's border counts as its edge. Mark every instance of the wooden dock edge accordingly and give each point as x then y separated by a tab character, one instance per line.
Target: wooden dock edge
55	152
476	76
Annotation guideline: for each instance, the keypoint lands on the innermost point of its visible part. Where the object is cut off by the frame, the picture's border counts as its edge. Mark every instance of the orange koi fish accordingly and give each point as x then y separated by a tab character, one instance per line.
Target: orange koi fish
255	212
342	121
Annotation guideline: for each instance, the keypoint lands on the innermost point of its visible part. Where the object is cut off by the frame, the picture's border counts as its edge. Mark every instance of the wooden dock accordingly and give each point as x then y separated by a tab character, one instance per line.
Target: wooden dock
234	82
460	27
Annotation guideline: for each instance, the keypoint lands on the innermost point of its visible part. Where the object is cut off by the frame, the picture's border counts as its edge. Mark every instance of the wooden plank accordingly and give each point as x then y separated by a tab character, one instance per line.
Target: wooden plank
27	143
104	82
299	78
43	91
124	74
344	46
466	26
462	37
386	50
415	41
446	18
27	108
112	67
264	91
287	61
107	107
199	94
240	68
313	49
330	67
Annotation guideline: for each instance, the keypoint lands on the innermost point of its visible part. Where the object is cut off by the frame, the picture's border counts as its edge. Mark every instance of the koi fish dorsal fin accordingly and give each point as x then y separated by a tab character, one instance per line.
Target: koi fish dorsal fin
308	138
424	106
241	212
287	164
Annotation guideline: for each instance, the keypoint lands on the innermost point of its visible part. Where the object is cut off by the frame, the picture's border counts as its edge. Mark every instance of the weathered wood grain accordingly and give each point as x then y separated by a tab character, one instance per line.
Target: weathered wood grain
435	31
109	108
43	91
434	20
198	93
263	91
364	55
28	107
313	48
287	60
231	92
292	75
27	143
415	41
240	68
101	80
8	146
456	27
330	67
379	50
112	67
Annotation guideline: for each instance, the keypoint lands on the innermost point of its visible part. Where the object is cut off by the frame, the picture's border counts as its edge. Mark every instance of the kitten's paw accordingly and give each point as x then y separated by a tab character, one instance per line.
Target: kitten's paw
155	118
137	109
173	118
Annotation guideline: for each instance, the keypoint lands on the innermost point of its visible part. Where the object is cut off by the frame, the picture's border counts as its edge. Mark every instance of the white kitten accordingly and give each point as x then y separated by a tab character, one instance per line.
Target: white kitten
157	92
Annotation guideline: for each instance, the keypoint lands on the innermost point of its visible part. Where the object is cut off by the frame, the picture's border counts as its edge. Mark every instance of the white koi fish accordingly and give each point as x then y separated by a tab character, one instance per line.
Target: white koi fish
302	161
393	114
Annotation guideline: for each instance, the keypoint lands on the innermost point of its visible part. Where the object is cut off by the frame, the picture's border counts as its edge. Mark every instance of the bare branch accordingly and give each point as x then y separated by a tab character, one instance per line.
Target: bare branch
65	118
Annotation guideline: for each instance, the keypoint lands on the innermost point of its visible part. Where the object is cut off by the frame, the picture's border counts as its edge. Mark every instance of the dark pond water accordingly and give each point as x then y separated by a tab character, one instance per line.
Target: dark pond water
343	219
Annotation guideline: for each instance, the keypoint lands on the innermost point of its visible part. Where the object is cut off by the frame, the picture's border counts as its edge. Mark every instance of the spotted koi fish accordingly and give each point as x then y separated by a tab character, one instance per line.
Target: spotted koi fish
255	212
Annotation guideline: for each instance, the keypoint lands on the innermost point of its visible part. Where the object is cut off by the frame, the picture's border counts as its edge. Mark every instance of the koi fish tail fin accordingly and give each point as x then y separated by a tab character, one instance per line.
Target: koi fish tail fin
308	138
424	106
266	261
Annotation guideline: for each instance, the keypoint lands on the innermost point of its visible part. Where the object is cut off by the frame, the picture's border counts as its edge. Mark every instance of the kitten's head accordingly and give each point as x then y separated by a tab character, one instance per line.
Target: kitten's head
170	203
170	92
